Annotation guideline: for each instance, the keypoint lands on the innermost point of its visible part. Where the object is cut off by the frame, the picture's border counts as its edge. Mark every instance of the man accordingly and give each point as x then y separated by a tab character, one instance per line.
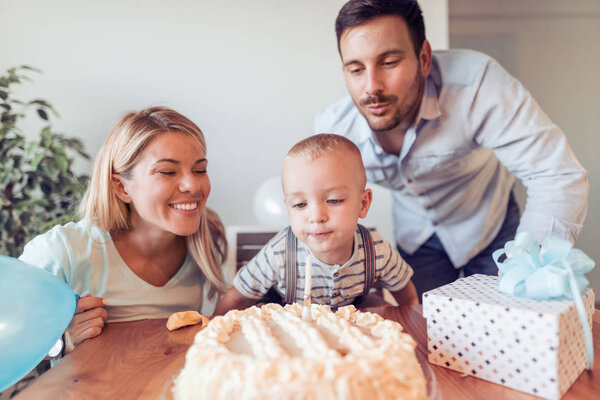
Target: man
448	131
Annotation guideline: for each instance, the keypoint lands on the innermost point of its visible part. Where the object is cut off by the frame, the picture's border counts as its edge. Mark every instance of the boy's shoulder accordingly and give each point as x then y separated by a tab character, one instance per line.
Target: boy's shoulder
275	247
375	236
381	247
279	240
276	244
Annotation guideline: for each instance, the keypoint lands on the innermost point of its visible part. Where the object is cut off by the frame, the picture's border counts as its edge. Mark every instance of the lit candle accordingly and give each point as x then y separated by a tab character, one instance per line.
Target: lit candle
308	276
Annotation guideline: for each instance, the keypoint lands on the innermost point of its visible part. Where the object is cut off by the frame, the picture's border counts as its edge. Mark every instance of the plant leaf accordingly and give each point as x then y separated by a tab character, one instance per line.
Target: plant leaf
37	187
43	114
63	163
36	160
40	102
30	68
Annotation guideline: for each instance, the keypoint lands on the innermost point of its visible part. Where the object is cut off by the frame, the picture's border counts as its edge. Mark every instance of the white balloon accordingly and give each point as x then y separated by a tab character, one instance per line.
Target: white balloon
269	207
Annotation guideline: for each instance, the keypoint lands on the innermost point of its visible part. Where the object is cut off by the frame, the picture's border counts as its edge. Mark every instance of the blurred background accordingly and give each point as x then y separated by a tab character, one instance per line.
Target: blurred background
253	75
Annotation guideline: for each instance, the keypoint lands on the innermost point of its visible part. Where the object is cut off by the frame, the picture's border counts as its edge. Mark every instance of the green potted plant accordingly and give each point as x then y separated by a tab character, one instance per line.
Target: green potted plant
38	187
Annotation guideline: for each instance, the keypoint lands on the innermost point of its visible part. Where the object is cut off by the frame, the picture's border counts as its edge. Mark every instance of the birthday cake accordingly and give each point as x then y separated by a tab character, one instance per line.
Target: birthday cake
272	353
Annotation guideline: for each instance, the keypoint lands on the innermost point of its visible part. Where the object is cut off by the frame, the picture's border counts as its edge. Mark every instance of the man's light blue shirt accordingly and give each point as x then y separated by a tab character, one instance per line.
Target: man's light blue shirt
476	129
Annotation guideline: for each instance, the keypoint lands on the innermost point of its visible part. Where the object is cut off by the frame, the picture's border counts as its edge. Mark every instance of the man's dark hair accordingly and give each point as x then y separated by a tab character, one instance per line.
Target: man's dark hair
357	12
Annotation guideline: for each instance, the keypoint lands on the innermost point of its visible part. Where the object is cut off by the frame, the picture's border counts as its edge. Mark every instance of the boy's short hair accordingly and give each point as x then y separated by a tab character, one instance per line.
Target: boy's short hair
323	144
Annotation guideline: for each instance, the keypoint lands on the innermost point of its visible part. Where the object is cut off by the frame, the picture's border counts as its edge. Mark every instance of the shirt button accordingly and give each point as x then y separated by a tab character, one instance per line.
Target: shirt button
335	295
336	274
408	181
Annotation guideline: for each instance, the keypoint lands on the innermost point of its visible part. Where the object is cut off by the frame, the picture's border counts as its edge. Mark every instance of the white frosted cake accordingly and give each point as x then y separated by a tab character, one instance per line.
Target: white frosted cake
271	353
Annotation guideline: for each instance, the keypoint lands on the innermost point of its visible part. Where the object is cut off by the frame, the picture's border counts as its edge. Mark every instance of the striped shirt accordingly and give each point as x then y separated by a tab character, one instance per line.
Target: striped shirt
334	285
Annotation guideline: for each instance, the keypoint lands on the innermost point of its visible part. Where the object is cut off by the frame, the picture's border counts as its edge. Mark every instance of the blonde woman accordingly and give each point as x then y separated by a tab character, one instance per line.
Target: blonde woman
146	245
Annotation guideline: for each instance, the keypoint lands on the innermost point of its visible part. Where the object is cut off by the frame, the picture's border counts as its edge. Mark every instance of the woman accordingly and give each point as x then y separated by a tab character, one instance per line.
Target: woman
146	245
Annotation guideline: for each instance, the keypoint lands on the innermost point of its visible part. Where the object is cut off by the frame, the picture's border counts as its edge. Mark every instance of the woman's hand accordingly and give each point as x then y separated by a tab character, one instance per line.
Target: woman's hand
89	318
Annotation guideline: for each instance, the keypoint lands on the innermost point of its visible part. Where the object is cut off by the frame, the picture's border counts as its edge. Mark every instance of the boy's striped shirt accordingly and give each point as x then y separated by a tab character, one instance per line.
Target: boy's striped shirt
332	285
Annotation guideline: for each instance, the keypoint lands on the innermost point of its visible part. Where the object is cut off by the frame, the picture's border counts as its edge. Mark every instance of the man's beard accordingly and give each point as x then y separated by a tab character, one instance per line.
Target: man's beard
377	123
383	124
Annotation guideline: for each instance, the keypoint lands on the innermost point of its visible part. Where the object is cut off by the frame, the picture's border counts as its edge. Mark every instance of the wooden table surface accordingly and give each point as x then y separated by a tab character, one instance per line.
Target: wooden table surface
137	360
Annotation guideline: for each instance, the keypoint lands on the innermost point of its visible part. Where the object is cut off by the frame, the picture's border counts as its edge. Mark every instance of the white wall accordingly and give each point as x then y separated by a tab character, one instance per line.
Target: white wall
251	74
553	48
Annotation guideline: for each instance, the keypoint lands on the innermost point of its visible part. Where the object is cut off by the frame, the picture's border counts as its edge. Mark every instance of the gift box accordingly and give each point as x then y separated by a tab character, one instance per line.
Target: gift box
534	346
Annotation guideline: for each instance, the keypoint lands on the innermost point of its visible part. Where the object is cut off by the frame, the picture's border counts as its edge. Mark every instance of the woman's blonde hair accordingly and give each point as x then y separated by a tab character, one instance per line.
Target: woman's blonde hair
118	155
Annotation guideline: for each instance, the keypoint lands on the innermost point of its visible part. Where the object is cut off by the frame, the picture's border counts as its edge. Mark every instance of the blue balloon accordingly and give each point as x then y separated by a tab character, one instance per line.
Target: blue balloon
35	309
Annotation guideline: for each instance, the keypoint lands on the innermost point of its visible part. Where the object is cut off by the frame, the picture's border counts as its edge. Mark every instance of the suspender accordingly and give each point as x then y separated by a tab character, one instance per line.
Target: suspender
291	244
291	260
369	250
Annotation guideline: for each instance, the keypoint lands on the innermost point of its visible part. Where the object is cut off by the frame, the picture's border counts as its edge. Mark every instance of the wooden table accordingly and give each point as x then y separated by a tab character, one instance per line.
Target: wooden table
137	360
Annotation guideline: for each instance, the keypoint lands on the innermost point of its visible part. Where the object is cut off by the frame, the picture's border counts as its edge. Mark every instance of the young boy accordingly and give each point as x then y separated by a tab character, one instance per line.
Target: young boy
324	182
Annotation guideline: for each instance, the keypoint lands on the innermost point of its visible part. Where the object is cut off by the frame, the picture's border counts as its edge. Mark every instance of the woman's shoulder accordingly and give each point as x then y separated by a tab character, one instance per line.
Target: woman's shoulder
63	238
50	250
80	230
65	247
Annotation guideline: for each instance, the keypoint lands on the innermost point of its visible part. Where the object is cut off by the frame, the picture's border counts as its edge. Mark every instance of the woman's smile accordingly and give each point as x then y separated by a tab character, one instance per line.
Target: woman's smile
185	206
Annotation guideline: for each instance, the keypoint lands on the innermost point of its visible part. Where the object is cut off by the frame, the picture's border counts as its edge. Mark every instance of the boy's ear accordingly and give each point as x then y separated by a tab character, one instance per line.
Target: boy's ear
366	199
118	185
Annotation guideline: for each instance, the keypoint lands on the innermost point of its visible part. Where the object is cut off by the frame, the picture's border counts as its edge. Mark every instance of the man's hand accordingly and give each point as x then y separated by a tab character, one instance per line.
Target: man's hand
88	320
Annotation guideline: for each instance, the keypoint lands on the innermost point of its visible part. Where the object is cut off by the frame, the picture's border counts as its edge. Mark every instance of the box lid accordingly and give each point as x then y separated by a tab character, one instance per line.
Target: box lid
481	291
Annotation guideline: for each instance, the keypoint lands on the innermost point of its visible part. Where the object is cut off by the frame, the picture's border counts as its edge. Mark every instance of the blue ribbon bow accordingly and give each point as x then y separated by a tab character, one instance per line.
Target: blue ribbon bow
555	269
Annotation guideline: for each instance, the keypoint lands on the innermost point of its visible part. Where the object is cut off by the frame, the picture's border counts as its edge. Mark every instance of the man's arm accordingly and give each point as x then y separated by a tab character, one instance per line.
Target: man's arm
506	119
233	300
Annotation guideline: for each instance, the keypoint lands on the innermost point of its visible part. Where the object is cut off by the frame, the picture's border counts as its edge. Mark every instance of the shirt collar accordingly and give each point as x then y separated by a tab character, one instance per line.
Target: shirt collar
430	106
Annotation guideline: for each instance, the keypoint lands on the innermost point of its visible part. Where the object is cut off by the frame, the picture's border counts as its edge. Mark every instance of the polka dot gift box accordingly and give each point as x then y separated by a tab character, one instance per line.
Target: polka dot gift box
536	346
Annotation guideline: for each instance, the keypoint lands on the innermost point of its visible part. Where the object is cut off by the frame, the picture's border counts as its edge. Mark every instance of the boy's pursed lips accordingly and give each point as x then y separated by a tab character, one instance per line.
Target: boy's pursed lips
319	234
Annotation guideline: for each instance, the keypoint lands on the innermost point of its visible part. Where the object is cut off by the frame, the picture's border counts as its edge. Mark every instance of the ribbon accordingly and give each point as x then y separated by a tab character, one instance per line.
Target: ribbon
555	269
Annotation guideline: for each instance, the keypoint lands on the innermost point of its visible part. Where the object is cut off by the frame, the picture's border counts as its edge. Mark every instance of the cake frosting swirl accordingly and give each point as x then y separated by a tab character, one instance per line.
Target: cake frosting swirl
271	353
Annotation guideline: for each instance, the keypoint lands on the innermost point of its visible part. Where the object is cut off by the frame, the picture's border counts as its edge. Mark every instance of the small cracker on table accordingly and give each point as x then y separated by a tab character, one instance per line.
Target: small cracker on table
185	318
